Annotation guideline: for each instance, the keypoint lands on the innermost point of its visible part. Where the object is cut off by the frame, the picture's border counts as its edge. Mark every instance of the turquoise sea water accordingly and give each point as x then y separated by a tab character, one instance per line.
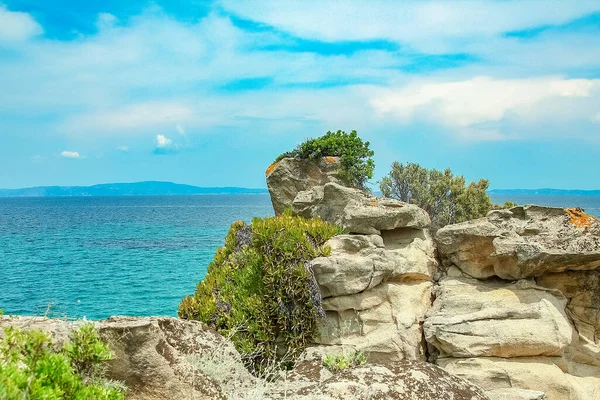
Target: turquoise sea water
102	256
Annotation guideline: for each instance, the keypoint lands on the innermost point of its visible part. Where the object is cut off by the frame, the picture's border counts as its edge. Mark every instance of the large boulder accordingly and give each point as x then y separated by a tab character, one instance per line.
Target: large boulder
157	357
522	242
287	177
404	380
357	211
524	378
376	292
471	318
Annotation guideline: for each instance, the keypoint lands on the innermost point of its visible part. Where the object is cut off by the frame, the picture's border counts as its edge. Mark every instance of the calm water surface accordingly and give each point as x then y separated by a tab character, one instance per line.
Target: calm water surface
102	256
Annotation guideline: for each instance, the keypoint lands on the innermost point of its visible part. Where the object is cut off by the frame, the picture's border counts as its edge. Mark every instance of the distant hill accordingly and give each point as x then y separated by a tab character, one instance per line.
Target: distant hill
543	192
125	189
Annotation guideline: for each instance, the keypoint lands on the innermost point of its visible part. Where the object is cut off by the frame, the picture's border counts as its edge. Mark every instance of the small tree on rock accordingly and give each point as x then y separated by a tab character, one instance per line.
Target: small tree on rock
446	197
356	158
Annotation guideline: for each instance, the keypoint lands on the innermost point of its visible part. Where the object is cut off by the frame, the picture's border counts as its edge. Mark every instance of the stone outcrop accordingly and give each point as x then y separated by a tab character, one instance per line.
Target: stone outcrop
522	242
155	357
287	177
528	327
399	381
356	211
376	283
162	358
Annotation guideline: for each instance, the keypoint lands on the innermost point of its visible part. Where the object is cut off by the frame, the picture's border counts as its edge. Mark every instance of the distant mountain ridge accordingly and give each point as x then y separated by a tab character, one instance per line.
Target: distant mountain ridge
147	188
543	192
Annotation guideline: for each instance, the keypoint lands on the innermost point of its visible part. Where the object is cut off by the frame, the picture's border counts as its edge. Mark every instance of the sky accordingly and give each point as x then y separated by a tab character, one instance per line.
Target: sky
208	93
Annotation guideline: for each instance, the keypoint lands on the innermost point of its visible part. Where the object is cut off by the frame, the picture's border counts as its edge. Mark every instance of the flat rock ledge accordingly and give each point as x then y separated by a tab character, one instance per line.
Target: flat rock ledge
163	358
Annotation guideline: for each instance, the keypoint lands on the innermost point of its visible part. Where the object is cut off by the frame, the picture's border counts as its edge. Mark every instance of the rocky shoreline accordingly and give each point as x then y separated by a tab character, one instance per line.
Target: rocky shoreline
502	307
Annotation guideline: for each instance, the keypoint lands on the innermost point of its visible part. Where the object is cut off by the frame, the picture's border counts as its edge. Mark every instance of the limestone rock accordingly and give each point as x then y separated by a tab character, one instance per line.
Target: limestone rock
358	263
400	381
357	211
471	318
516	394
383	322
154	356
287	177
522	242
582	289
516	375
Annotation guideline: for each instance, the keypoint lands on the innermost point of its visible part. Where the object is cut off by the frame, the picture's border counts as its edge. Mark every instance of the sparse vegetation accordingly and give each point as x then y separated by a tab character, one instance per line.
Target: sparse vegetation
340	362
446	197
356	158
31	367
260	290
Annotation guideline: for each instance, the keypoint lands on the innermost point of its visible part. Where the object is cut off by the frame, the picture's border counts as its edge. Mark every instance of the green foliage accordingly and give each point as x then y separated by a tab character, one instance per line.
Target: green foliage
340	362
445	197
356	160
31	368
260	291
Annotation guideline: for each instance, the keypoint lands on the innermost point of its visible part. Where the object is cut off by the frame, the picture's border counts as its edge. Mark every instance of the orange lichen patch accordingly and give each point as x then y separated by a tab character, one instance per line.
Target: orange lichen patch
373	203
271	168
579	218
330	159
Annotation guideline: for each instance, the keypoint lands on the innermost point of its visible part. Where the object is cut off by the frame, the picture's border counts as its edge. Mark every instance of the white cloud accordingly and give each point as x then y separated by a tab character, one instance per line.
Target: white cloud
106	21
164	145
180	129
37	159
132	119
70	154
427	25
480	100
17	26
124	149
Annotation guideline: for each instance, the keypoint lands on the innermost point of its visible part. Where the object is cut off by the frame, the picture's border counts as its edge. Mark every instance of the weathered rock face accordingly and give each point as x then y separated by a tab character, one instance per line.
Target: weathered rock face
166	358
473	318
289	176
400	381
524	339
154	357
358	212
522	242
376	291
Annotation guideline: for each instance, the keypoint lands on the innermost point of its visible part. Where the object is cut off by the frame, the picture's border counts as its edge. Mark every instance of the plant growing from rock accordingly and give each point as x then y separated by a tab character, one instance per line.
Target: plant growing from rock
32	368
446	197
356	158
340	362
260	290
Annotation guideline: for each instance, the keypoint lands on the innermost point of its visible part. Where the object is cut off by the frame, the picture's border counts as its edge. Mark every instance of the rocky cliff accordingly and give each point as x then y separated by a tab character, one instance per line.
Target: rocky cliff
509	302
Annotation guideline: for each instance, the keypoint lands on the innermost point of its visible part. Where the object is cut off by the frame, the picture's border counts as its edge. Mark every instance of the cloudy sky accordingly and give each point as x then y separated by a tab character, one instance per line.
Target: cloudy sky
209	92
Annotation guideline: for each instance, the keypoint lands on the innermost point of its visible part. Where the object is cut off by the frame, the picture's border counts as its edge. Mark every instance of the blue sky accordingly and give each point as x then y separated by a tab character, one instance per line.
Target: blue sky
209	92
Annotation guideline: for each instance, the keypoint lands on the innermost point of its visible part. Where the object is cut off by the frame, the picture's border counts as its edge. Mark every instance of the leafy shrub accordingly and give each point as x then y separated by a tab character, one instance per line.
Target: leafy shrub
340	362
356	160
31	368
260	290
445	197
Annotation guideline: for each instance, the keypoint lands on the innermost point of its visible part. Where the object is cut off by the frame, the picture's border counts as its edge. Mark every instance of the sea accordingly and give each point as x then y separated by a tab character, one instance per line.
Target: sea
93	257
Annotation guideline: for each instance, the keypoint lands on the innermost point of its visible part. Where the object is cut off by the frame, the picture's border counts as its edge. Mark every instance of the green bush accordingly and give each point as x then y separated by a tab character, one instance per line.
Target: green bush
447	198
356	160
31	367
260	290
340	362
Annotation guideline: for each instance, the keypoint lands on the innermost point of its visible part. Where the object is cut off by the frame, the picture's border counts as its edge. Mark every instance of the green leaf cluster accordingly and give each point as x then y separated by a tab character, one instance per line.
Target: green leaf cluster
356	160
446	197
340	362
260	290
32	368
